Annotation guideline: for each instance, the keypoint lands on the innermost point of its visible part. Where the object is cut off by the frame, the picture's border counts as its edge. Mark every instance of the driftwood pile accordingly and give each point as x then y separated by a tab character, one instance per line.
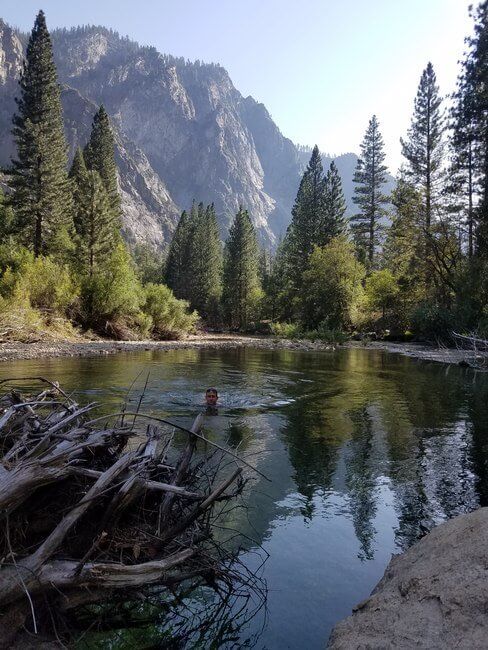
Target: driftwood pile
91	511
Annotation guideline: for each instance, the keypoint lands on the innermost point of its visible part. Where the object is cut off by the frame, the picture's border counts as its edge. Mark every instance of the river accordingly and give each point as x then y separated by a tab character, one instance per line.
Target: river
365	452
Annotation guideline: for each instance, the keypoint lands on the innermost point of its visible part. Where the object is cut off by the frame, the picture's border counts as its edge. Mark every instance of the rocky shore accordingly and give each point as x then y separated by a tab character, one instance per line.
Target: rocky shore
14	351
433	596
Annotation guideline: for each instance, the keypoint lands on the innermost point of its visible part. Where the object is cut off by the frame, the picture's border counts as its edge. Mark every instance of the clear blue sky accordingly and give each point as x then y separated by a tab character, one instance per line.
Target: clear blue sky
322	67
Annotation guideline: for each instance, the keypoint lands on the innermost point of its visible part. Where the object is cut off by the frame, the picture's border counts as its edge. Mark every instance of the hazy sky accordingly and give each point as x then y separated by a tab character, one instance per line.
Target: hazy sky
321	67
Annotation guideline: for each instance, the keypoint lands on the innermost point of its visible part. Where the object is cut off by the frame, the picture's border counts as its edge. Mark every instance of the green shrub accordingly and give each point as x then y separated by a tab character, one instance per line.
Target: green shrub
432	322
170	317
46	284
49	285
285	330
113	293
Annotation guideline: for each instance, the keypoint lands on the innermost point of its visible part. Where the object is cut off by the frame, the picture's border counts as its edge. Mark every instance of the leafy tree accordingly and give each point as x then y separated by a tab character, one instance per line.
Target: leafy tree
424	150
370	177
332	291
381	290
241	291
99	155
335	207
41	192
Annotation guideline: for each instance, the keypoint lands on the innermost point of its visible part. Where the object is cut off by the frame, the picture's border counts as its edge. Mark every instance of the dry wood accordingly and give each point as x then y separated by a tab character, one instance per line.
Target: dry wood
83	518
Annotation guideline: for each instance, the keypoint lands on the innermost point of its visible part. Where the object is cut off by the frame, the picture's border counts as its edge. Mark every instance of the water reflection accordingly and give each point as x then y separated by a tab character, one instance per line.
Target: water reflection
366	451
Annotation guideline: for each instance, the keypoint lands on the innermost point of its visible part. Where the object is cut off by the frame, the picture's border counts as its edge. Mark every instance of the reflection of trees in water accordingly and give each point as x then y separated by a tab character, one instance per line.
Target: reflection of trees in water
361	480
437	464
478	428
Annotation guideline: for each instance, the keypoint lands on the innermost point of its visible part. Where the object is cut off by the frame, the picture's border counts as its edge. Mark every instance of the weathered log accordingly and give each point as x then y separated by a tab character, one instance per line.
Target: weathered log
119	520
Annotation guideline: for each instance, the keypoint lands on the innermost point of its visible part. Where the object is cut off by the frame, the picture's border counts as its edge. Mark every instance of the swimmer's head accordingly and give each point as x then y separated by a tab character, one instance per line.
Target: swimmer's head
211	396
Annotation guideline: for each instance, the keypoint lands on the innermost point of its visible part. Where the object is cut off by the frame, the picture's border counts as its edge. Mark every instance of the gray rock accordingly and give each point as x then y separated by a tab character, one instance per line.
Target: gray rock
433	596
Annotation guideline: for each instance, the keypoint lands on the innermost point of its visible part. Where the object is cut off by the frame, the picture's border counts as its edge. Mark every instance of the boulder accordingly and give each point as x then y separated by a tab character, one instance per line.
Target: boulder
433	596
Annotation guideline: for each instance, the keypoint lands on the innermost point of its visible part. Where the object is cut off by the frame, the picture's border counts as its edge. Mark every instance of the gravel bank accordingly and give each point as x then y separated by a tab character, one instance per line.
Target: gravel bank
13	351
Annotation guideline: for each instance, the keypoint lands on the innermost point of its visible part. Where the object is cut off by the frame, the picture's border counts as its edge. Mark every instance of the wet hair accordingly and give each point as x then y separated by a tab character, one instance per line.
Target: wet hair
211	390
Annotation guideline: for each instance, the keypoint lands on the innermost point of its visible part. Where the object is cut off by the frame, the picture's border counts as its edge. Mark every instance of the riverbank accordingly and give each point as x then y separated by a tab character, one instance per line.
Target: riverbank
14	351
424	352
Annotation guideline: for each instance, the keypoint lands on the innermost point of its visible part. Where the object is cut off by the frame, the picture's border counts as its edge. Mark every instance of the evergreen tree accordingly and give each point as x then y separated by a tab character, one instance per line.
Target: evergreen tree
99	155
335	207
309	217
473	93
424	148
178	262
205	265
370	177
98	229
404	247
241	281
41	193
6	217
463	176
79	178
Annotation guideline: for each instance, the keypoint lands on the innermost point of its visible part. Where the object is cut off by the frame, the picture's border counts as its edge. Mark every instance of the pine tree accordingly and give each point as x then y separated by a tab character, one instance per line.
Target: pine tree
99	155
308	219
241	282
79	178
6	217
205	266
178	262
98	230
335	207
473	93
403	251
424	150
194	266
41	192
370	177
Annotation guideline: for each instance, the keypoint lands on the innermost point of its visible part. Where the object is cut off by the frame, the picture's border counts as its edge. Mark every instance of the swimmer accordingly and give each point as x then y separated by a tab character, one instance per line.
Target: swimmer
211	397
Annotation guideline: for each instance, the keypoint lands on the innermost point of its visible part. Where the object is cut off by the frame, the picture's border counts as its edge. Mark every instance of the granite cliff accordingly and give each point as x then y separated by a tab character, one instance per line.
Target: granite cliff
183	132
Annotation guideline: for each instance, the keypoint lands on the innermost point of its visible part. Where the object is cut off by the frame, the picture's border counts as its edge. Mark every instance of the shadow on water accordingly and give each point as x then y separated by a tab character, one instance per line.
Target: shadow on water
366	452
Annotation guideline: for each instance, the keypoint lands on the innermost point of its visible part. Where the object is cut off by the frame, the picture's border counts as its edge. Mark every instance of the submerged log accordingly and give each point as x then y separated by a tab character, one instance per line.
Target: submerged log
88	514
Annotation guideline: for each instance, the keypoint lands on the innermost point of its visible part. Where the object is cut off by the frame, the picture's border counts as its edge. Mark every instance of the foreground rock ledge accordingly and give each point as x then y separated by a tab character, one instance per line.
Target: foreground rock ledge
433	596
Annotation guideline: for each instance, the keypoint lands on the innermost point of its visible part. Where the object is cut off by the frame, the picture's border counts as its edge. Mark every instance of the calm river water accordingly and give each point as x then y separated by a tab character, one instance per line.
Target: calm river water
366	451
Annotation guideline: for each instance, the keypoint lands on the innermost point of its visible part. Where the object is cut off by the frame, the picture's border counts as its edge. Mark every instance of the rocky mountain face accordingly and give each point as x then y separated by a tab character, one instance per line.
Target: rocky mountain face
183	132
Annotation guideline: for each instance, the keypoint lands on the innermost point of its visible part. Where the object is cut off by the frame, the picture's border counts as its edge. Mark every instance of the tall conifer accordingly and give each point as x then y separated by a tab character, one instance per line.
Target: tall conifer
99	155
41	191
241	277
473	93
424	149
98	230
370	177
307	215
335	207
177	264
